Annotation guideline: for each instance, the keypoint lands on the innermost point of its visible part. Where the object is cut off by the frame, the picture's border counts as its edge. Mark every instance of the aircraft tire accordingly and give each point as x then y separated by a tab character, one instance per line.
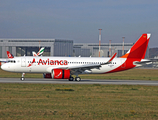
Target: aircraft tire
22	78
71	79
77	79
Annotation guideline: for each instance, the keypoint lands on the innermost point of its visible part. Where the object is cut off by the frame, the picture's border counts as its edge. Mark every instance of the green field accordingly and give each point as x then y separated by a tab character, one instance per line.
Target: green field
78	102
133	74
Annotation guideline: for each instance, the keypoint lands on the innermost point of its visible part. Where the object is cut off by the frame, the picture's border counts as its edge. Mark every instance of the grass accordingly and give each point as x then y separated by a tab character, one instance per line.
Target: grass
56	101
62	101
133	74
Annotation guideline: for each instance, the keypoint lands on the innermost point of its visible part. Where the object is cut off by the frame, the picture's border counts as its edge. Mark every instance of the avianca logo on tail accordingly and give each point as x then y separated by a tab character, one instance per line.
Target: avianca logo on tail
52	62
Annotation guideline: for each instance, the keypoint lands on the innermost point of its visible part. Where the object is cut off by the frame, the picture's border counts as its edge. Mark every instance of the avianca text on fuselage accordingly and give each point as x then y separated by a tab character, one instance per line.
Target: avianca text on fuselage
52	62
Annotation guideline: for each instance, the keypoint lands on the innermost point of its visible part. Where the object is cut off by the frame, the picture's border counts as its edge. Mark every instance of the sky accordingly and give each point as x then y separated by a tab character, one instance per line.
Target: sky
79	20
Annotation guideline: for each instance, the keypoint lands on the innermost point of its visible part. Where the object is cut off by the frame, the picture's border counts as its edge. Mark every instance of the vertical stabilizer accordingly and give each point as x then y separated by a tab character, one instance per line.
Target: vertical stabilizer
138	50
9	55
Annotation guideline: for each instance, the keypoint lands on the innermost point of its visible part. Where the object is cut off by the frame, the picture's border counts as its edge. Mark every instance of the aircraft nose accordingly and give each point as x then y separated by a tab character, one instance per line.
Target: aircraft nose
4	67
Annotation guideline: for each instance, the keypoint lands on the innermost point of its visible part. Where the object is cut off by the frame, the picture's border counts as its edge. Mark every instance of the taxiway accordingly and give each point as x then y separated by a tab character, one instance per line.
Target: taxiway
84	81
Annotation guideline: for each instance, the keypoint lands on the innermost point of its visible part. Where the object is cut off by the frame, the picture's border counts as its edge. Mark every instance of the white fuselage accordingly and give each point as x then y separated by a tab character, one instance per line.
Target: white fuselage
46	64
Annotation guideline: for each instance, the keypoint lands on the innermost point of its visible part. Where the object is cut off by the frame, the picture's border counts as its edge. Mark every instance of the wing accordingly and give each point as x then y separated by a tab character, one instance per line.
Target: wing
82	68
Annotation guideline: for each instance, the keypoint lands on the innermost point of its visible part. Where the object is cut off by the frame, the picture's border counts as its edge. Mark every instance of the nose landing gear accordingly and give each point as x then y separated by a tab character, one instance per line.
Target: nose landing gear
22	77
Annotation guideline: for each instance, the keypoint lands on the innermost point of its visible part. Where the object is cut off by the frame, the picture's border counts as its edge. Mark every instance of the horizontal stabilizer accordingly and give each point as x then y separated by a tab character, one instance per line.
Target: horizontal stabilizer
142	62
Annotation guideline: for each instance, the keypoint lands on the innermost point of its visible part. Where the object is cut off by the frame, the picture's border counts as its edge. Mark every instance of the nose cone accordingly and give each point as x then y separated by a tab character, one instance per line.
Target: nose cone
4	67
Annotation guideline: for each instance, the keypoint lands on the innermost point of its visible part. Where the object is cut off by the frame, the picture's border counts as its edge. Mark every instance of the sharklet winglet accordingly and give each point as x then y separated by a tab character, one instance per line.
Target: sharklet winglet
148	35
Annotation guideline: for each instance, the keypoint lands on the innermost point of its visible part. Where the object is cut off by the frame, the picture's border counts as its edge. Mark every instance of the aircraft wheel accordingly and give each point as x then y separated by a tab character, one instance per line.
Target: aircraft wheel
78	79
71	79
22	78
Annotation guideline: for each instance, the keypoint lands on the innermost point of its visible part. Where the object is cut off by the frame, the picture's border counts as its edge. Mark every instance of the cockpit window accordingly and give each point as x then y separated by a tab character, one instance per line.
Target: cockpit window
12	61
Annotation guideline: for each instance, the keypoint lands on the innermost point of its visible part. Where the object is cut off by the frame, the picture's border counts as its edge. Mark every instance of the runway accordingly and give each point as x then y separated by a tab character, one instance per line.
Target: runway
84	81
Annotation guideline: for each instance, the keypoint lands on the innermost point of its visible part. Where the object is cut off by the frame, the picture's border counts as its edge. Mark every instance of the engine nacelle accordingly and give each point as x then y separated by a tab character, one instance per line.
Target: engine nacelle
58	74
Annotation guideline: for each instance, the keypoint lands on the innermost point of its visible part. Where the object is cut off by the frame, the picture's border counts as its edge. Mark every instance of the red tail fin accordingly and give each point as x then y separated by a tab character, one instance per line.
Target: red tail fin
138	50
9	55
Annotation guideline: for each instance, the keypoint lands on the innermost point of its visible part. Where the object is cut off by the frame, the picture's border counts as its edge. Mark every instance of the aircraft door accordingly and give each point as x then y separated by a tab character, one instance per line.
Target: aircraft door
23	62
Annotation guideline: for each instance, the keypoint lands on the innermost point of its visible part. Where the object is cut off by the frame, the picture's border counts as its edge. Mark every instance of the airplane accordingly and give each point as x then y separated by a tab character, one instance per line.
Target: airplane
65	67
40	52
10	56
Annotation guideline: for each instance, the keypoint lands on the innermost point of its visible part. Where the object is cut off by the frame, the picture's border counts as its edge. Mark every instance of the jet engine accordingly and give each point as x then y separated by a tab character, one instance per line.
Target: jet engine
58	74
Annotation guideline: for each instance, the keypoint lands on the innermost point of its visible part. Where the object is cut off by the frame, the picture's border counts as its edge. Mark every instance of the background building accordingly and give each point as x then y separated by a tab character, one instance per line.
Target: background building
21	47
56	47
106	48
83	52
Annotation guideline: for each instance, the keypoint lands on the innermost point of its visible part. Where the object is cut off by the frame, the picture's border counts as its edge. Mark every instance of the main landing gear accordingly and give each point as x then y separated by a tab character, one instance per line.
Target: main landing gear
22	77
76	79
